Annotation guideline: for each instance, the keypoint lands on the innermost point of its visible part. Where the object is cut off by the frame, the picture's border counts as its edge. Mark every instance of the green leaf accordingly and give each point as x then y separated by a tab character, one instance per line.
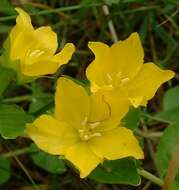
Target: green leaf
165	149
121	171
132	119
170	105
7	8
4	170
40	99
12	120
110	2
169	115
5	28
170	100
6	76
50	163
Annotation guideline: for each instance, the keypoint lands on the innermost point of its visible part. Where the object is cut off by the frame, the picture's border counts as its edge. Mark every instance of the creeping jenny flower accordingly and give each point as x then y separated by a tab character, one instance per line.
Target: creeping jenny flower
120	67
35	48
85	128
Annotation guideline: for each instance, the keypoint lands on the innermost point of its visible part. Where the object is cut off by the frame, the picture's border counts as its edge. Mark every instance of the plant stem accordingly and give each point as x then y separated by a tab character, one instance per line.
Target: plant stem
14	155
172	170
150	177
17	99
17	152
149	134
61	9
155	118
110	24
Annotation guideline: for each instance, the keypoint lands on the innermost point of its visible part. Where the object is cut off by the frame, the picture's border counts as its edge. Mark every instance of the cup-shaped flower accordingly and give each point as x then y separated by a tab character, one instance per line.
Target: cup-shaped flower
84	128
120	67
35	48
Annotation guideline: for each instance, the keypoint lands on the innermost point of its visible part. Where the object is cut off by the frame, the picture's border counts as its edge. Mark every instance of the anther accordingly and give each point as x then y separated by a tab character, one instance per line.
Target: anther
86	137
84	122
36	53
124	80
96	135
94	125
119	74
80	130
109	77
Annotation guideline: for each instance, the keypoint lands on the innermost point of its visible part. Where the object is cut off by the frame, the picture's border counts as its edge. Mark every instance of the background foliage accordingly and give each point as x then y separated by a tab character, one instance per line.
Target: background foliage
22	165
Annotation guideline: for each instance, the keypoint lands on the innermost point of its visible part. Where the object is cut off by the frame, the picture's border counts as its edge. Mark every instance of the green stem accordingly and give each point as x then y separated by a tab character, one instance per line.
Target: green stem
141	172
150	177
149	134
17	99
14	155
17	152
61	9
155	118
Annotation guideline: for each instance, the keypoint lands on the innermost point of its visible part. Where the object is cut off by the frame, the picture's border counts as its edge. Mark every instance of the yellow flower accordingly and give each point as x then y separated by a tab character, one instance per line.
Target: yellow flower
35	48
84	128
120	67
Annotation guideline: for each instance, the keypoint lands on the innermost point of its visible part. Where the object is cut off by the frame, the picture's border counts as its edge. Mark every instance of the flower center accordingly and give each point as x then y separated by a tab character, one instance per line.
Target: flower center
36	53
89	130
32	55
118	80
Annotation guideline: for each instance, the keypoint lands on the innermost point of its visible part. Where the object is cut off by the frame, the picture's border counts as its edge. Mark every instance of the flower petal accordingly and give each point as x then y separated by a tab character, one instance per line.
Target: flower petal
42	67
83	158
118	104
46	63
52	135
45	40
72	102
21	35
115	144
65	54
144	86
100	109
97	70
127	56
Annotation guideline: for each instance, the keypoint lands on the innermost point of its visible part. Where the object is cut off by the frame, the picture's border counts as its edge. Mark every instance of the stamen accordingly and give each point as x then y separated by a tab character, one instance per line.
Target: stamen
109	77
36	53
119	75
108	87
84	122
124	80
86	137
96	135
94	125
80	130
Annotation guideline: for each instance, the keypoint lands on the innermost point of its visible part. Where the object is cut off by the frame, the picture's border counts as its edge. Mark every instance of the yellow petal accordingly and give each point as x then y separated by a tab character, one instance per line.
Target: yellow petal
51	135
98	69
115	144
146	83
83	158
43	66
118	104
40	60
65	54
21	35
45	40
128	56
23	18
72	102
100	109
